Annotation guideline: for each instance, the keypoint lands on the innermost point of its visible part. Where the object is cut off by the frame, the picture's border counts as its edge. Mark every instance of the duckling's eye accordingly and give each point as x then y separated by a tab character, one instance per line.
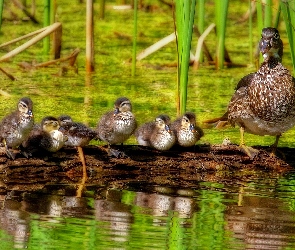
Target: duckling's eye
124	104
22	106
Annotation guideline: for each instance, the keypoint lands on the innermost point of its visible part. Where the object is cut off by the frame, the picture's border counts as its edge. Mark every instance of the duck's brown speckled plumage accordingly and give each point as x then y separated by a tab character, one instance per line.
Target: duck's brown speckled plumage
264	102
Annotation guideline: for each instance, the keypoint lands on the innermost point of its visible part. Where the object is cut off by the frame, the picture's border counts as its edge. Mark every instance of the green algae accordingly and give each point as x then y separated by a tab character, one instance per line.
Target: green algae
153	89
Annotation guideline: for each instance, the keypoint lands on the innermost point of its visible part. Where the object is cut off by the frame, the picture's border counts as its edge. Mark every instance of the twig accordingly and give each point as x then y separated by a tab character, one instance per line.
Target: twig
23	8
23	37
31	42
205	48
72	57
156	46
6	73
201	43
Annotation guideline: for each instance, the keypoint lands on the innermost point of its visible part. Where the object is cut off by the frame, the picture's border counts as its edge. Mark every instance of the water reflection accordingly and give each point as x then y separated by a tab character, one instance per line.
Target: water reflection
213	216
262	223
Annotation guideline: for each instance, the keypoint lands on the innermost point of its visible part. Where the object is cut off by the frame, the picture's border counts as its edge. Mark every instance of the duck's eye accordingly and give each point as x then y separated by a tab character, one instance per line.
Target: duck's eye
276	36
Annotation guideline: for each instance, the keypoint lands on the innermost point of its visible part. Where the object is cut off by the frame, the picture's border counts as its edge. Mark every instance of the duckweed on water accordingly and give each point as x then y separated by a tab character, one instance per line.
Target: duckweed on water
152	91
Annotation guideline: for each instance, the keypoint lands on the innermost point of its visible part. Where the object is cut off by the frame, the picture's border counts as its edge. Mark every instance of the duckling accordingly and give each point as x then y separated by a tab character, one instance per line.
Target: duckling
16	127
118	125
186	130
45	136
156	134
78	134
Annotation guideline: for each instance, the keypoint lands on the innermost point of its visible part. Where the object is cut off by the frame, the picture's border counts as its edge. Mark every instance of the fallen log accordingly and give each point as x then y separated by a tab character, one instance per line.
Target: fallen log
176	167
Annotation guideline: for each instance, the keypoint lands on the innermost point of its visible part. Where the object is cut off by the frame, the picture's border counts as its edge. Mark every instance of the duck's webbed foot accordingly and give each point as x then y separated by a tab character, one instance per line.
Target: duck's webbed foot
251	152
10	154
274	148
116	153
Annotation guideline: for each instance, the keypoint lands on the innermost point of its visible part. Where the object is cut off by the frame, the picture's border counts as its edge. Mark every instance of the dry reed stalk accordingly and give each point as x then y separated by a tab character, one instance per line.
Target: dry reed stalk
31	42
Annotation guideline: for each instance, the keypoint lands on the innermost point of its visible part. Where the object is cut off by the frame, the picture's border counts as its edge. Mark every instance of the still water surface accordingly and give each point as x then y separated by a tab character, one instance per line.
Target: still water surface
257	214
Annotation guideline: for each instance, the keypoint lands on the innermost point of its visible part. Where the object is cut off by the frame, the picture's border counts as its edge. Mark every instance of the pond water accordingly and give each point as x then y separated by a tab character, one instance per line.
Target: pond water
256	213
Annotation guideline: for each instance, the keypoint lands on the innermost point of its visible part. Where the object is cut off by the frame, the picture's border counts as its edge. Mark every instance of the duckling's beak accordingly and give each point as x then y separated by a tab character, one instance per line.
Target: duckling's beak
30	113
116	111
167	128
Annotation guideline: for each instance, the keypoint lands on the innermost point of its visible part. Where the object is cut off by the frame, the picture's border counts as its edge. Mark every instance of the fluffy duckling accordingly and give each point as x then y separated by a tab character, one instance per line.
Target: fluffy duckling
78	134
156	134
16	127
186	130
117	125
45	136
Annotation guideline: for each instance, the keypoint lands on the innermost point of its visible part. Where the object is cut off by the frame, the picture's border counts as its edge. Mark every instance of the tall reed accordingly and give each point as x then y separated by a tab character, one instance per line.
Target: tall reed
135	7
1	10
102	4
260	23
268	13
201	20
46	22
221	8
184	19
288	11
250	32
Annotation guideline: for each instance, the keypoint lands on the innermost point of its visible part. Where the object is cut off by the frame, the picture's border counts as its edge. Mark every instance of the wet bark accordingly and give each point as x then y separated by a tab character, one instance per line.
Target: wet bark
183	167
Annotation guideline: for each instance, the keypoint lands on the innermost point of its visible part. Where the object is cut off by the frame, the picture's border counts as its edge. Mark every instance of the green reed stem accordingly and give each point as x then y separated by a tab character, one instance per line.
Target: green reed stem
289	15
201	20
221	8
46	22
1	10
268	13
250	32
277	17
259	8
185	12
134	38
